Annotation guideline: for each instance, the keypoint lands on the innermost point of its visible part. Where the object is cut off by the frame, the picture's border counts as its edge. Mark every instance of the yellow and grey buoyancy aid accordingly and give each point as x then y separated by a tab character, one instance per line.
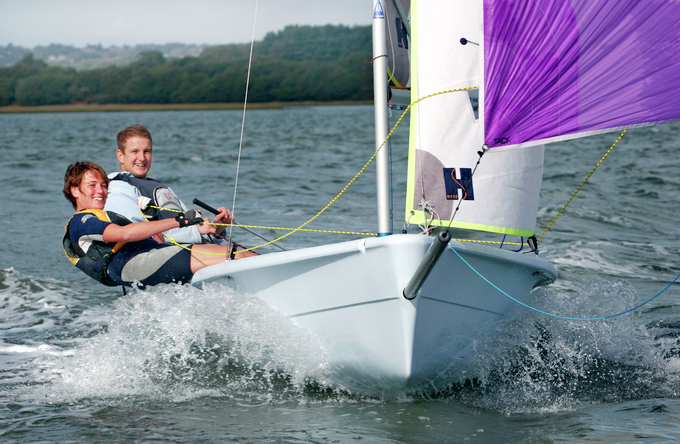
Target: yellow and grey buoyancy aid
95	260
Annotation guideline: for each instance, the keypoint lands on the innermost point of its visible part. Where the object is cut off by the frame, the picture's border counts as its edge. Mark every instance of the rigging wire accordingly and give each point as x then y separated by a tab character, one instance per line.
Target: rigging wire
582	184
356	176
243	120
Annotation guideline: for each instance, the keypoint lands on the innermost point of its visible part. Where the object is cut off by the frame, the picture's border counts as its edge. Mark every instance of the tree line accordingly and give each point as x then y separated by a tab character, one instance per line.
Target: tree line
93	56
299	63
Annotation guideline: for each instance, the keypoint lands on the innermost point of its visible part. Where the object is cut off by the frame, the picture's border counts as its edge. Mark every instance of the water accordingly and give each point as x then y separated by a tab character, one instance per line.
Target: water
80	362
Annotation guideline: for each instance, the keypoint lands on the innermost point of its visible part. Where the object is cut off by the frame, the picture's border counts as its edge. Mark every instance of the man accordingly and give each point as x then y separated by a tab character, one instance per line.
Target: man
135	149
114	251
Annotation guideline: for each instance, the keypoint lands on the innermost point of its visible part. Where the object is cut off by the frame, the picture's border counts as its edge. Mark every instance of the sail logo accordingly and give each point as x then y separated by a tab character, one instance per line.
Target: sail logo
378	12
402	35
463	183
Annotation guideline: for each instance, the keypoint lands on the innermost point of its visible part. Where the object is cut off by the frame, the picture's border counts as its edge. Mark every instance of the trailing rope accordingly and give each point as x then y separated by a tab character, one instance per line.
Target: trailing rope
558	316
309	230
268	228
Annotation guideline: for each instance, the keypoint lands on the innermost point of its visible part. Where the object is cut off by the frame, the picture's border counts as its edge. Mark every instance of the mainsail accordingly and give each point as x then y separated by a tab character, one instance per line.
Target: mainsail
543	71
398	29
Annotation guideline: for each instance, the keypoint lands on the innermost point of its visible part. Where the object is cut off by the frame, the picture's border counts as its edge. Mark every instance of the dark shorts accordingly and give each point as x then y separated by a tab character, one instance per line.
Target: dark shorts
162	265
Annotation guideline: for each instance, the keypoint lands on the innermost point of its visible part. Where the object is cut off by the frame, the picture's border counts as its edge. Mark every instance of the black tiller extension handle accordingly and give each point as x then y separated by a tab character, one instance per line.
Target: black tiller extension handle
205	206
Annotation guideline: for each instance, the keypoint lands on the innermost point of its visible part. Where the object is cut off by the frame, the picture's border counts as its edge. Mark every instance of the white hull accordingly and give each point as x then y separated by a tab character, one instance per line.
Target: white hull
350	295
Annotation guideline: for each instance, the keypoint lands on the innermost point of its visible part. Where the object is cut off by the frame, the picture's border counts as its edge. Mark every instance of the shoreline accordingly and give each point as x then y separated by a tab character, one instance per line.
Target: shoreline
114	107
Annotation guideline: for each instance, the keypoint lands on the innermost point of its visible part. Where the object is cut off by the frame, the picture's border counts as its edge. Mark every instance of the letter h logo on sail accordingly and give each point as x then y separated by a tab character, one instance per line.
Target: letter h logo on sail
402	35
463	183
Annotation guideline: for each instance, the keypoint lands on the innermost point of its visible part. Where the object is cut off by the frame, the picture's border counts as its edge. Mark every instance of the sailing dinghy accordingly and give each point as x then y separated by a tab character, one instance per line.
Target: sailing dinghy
492	81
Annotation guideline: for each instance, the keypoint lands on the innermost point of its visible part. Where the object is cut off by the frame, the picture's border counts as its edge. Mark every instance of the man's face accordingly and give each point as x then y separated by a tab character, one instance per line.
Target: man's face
137	157
92	192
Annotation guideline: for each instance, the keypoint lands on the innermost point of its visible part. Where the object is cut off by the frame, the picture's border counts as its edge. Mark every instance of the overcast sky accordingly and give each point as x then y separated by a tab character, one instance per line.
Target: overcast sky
30	23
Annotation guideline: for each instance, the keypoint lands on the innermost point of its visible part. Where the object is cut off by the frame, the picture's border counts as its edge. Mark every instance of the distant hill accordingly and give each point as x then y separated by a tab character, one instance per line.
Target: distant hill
93	56
299	63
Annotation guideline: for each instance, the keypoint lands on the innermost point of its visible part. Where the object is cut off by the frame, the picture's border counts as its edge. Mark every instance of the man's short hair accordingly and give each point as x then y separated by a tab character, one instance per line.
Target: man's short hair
74	175
129	133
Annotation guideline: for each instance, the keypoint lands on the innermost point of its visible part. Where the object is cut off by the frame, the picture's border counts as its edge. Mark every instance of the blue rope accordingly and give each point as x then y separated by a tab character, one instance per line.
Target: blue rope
521	243
557	316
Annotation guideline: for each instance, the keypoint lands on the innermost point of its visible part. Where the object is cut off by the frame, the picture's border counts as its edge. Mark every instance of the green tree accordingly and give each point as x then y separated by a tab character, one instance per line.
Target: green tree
46	88
9	77
6	91
149	59
300	63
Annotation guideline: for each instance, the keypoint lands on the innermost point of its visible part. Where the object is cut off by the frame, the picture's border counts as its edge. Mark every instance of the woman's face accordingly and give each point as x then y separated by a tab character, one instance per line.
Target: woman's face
92	192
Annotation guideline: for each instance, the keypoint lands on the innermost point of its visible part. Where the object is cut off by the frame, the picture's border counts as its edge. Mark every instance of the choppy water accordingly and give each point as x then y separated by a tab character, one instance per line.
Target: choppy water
82	363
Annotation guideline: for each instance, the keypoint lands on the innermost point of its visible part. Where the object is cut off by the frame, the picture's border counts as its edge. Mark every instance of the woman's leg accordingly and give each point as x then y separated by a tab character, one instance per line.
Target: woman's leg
216	255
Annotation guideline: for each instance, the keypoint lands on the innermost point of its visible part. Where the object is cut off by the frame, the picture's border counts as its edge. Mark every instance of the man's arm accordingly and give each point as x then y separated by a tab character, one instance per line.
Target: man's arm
189	235
205	231
122	199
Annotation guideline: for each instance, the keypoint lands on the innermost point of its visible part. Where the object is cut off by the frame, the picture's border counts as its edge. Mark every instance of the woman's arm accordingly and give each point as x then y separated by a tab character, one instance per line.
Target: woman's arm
138	230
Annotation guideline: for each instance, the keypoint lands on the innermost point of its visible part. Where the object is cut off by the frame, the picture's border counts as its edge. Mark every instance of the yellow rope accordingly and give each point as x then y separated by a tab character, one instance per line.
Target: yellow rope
300	228
164	209
488	242
172	240
357	233
360	171
581	186
360	233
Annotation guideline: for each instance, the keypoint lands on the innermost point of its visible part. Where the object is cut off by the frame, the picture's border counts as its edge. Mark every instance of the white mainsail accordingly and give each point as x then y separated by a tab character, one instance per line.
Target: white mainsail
398	42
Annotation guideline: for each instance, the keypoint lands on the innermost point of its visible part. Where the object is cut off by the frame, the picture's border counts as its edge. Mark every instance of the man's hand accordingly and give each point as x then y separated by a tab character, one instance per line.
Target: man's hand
143	202
223	217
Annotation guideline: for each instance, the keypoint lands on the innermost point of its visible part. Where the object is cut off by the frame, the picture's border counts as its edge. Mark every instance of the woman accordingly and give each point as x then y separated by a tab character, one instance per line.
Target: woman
114	251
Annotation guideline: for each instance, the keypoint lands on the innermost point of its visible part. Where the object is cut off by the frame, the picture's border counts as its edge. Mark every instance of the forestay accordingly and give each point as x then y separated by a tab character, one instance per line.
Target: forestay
552	70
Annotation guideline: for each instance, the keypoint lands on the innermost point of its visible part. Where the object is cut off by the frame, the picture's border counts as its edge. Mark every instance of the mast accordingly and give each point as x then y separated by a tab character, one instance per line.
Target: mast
381	122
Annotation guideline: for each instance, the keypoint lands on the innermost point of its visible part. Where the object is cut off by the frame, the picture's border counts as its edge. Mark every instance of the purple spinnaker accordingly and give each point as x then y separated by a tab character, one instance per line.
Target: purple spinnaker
556	68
